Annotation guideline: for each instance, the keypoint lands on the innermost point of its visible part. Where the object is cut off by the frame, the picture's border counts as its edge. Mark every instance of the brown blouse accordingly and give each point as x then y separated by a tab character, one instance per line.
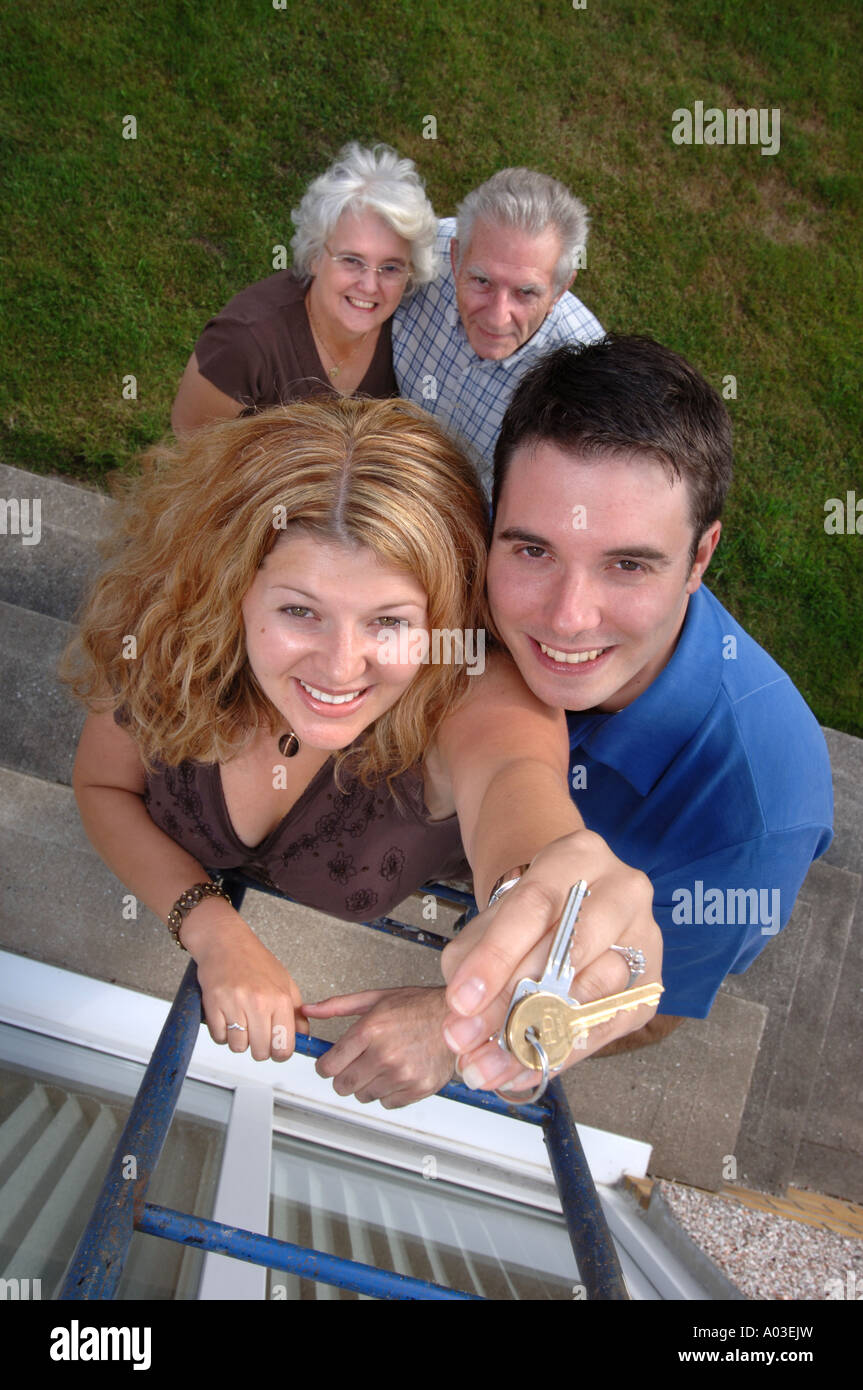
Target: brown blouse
354	854
260	349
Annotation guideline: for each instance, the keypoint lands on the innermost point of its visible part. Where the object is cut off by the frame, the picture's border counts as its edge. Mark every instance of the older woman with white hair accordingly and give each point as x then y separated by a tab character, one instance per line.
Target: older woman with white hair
364	239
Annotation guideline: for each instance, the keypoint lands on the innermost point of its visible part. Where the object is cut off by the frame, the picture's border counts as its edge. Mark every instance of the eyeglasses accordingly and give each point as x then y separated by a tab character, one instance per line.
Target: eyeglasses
390	273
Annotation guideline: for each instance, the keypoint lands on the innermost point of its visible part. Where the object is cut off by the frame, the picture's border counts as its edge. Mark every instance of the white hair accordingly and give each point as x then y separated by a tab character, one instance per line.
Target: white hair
377	179
529	202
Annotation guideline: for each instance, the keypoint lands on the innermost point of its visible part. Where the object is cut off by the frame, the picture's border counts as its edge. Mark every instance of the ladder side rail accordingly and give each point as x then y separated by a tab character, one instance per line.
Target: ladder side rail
100	1255
591	1240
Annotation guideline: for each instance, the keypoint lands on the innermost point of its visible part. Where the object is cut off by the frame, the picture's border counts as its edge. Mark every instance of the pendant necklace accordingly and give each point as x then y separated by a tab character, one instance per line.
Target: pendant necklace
289	745
334	370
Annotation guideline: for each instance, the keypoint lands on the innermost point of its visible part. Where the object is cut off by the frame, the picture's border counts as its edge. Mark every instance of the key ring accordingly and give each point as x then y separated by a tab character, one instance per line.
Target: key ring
533	1038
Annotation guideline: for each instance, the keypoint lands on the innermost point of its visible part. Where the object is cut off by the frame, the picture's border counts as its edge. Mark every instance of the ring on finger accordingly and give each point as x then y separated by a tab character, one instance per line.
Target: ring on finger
635	959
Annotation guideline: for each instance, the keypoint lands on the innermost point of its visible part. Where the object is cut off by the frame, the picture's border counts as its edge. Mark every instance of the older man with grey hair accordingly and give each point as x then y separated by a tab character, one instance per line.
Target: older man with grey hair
462	343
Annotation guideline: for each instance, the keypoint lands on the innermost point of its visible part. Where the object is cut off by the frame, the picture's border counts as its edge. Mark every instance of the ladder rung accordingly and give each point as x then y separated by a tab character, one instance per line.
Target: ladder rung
258	1249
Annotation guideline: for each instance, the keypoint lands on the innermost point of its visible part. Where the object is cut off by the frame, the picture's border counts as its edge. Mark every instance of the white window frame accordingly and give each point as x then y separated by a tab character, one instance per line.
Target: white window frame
471	1147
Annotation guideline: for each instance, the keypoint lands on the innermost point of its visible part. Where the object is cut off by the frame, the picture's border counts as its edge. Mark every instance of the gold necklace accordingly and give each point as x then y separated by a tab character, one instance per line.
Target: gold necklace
334	370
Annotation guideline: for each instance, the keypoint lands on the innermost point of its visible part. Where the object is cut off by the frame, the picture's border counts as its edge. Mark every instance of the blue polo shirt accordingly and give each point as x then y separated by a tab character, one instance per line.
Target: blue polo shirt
716	783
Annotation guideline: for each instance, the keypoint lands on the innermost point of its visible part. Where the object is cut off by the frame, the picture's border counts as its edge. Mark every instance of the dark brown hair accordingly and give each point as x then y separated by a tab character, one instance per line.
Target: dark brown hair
625	395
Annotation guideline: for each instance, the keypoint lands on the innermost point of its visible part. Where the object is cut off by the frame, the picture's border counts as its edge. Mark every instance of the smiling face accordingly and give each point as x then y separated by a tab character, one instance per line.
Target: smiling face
589	573
505	286
349	301
312	619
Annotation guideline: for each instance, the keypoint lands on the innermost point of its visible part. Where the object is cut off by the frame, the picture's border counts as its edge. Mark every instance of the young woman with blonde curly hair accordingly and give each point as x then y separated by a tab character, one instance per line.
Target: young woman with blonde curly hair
255	657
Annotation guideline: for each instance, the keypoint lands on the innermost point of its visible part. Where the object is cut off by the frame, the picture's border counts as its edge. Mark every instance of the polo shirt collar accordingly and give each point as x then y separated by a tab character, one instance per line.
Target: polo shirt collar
640	741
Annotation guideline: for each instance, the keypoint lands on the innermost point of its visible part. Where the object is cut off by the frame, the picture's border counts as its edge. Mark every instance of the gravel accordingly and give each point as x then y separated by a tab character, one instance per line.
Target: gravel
767	1256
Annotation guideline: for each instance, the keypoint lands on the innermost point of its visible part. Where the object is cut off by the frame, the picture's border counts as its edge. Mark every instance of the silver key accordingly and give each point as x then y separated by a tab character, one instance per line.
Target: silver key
559	970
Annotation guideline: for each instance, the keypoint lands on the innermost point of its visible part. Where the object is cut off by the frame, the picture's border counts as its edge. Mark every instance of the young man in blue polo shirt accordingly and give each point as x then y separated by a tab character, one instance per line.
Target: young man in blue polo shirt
692	754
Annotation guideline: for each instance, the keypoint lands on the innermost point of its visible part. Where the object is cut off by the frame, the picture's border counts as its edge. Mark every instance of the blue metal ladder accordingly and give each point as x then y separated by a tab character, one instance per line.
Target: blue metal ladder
121	1207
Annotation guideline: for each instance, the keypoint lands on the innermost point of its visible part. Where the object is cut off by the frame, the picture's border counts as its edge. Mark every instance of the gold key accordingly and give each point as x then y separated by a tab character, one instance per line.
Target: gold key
560	1023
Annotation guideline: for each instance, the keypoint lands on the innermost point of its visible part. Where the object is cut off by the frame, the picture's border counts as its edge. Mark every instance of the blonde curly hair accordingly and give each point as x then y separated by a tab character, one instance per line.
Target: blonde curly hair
194	529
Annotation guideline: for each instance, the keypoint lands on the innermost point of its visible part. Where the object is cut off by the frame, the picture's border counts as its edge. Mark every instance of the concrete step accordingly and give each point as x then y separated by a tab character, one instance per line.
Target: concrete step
830	1155
803	1121
51	574
42	722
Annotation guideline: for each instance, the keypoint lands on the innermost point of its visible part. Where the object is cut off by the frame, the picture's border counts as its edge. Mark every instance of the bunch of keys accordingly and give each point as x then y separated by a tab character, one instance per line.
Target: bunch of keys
544	1024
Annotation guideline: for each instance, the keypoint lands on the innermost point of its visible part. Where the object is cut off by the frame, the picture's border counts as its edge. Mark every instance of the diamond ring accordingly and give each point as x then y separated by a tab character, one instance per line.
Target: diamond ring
635	959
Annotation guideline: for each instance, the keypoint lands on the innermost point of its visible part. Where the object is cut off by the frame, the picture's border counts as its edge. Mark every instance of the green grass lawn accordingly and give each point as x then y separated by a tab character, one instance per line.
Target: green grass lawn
117	251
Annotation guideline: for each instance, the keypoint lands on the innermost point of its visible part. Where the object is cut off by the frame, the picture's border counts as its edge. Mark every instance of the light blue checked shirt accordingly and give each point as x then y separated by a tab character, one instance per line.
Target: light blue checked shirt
437	368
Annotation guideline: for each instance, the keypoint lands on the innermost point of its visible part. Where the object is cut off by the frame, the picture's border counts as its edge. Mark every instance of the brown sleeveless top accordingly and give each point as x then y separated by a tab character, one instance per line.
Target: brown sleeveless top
353	854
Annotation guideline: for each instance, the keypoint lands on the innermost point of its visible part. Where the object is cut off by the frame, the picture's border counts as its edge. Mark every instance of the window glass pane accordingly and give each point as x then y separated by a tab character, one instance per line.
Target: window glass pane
392	1219
62	1111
